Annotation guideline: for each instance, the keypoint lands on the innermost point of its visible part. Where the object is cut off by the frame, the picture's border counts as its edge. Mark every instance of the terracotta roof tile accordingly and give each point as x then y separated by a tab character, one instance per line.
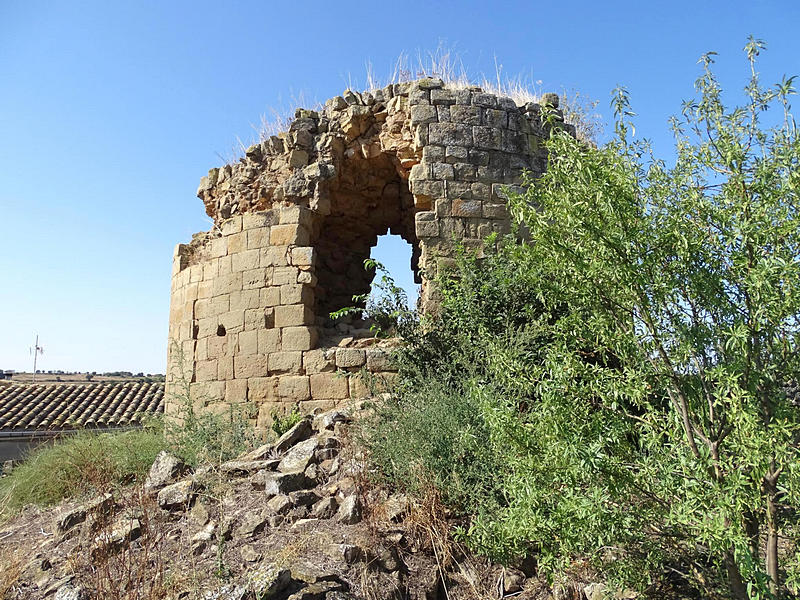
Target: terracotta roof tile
56	406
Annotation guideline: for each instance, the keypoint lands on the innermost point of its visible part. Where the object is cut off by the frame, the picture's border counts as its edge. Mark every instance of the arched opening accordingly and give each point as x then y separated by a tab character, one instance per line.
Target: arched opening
369	199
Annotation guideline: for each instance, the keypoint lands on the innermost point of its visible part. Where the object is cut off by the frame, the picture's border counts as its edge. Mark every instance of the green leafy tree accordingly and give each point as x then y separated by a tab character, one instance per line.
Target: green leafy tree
684	290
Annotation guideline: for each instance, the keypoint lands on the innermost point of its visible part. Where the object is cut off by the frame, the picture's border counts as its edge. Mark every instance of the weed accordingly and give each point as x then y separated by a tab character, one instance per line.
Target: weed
281	423
203	437
129	566
10	571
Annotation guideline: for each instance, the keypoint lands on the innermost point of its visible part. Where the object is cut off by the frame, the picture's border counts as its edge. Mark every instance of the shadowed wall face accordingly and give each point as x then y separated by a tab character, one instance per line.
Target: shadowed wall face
296	217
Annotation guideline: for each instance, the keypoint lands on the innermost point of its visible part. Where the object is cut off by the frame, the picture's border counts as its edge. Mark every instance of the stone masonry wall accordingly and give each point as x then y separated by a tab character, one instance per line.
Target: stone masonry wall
296	217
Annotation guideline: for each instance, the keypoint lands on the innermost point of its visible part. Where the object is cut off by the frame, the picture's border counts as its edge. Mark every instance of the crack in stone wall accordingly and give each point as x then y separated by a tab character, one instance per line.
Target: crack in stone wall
295	218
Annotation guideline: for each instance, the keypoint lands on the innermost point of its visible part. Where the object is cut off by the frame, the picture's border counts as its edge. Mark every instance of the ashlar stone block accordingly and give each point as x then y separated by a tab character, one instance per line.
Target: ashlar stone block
248	343
329	386
270	296
245	260
319	360
450	134
289	235
269	340
293	315
296	294
250	366
260	389
294	388
350	357
285	362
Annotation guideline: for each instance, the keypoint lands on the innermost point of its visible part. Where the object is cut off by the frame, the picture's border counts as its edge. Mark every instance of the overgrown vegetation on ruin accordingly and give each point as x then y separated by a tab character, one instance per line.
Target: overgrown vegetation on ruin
614	389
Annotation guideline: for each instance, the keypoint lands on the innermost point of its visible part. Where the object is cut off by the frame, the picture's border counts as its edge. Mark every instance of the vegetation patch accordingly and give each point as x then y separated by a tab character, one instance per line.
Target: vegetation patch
613	389
74	465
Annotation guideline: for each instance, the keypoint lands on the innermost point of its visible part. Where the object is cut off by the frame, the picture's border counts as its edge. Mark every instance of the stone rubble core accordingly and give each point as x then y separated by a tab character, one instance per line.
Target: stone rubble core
295	219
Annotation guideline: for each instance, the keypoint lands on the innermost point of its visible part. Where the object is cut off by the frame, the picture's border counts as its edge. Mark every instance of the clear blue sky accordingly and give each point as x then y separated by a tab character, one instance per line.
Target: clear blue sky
110	112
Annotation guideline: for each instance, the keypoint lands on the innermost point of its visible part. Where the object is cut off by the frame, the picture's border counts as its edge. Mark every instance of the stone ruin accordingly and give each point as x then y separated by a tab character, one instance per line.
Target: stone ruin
297	216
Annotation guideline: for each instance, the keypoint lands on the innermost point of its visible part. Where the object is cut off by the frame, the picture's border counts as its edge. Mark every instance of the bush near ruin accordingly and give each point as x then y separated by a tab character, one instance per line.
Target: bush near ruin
614	390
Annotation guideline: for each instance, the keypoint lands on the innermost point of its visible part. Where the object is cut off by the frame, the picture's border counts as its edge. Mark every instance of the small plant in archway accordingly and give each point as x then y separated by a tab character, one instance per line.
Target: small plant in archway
386	305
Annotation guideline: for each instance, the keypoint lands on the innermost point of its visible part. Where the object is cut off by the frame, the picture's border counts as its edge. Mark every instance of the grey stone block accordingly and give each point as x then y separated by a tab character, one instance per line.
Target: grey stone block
487	137
450	134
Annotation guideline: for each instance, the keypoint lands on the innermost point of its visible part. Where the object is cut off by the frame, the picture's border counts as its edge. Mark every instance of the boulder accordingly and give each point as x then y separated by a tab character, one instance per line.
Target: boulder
325	508
164	469
178	495
301	431
328	419
279	483
252	523
67	520
263	452
243	468
249	554
122	532
349	512
280	505
304	497
69	592
317	591
268	581
299	457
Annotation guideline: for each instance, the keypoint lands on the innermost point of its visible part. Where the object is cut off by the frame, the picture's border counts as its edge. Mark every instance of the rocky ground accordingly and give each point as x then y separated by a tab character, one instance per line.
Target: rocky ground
292	520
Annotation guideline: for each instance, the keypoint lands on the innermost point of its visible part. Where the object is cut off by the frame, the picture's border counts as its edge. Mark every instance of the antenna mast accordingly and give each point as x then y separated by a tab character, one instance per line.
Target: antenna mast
36	350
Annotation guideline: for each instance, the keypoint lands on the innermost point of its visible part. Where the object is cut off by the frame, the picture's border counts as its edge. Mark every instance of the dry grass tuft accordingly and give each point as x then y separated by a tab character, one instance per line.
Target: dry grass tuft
443	63
132	570
10	571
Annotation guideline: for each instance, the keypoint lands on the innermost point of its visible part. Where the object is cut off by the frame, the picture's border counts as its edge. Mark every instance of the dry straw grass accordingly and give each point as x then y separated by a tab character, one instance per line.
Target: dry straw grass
442	63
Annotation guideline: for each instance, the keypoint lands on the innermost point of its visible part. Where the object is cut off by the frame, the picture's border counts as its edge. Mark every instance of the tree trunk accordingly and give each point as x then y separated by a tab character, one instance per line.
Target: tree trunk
735	583
752	528
770	488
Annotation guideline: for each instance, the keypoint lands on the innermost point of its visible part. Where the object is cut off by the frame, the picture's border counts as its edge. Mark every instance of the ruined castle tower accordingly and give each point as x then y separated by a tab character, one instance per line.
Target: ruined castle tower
296	217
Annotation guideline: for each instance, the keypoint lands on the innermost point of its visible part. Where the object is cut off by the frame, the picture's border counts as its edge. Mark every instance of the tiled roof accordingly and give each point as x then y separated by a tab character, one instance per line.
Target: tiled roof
57	406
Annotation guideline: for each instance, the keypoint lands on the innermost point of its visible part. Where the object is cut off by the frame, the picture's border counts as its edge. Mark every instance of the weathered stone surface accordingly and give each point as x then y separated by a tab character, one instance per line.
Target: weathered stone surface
299	457
279	483
243	468
123	531
325	508
299	432
165	468
327	420
280	504
268	581
250	554
178	495
350	357
251	524
96	508
349	511
69	592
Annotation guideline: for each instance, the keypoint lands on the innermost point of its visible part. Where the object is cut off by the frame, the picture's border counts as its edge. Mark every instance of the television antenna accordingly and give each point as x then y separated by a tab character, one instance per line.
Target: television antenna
36	350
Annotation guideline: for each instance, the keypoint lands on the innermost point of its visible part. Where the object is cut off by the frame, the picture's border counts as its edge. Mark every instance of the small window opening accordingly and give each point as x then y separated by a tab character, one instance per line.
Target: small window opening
220	330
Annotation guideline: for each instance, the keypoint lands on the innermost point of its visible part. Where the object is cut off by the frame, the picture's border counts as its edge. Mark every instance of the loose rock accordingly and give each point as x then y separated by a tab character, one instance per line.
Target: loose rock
164	469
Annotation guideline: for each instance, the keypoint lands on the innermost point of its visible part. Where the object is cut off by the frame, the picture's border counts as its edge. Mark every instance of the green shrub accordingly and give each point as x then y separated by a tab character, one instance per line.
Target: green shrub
201	437
86	462
210	439
283	423
622	374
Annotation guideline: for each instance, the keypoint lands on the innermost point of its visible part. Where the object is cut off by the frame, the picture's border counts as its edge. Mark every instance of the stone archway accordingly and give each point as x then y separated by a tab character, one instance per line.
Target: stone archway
369	198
